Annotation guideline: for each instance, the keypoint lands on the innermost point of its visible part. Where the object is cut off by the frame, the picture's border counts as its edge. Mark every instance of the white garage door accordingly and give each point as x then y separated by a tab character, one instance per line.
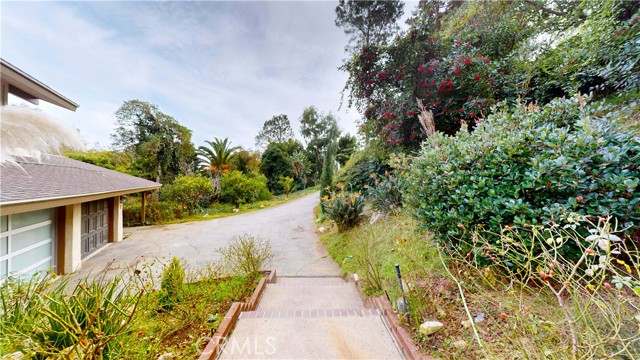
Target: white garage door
26	243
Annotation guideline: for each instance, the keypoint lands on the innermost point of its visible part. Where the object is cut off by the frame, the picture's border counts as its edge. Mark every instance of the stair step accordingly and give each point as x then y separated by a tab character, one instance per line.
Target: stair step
309	314
312	281
287	297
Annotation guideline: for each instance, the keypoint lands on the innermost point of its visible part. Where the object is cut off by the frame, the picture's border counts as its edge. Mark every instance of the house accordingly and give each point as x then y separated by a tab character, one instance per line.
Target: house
55	211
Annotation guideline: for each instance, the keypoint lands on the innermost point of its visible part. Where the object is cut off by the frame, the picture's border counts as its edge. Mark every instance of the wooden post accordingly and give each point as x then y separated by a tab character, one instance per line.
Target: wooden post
144	196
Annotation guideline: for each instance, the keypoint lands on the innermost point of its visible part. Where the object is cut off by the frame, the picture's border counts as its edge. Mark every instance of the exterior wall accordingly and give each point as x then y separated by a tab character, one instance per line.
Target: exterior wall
70	246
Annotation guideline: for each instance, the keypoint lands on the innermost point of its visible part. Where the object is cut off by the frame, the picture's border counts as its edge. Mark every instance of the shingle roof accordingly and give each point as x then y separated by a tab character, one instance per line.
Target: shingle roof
54	177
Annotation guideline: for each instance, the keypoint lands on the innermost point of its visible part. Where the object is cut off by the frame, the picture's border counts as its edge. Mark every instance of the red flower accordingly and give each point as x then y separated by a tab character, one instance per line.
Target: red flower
476	78
420	69
472	115
422	84
467	61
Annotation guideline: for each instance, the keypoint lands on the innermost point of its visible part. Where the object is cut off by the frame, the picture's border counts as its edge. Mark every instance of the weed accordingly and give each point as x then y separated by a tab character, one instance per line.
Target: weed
246	255
171	284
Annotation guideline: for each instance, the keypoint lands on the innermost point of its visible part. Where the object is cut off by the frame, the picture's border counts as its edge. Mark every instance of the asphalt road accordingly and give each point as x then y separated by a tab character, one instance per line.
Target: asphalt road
289	228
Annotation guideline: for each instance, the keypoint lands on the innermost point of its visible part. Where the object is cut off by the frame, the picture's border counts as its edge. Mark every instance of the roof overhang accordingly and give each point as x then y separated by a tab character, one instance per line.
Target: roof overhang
14	207
28	88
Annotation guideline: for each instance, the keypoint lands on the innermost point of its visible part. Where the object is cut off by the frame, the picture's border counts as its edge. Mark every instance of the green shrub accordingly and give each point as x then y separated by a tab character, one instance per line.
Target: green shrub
386	194
344	208
357	171
286	183
246	255
156	212
526	166
171	284
238	188
188	191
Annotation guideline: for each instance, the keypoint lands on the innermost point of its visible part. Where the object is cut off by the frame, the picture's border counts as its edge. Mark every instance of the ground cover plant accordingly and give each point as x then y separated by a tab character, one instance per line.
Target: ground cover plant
134	315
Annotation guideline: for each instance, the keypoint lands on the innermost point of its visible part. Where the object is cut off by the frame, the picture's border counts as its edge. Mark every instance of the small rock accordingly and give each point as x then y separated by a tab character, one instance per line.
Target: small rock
236	210
460	344
430	327
18	355
355	277
322	229
466	324
167	356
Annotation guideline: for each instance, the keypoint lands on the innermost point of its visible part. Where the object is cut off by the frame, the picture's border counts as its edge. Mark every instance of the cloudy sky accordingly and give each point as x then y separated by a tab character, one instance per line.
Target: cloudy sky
220	68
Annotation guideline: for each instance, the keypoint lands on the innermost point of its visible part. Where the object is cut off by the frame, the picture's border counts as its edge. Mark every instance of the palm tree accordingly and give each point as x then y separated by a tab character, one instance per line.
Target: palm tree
215	159
301	168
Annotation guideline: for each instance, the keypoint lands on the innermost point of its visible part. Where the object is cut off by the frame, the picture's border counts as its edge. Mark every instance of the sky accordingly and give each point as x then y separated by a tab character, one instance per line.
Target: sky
220	68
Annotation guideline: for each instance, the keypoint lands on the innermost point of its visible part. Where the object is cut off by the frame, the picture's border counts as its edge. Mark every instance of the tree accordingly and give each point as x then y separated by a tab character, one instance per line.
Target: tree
286	183
245	161
275	130
276	162
160	146
326	179
215	159
346	147
318	130
301	168
368	22
239	188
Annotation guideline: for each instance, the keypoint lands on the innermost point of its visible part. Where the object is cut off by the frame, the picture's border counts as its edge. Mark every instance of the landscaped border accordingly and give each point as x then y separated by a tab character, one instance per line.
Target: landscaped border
401	336
213	348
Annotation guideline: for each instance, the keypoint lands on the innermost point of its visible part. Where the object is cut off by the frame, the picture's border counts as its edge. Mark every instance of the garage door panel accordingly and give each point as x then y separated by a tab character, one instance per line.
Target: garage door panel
23	261
95	227
28	238
30	218
4	246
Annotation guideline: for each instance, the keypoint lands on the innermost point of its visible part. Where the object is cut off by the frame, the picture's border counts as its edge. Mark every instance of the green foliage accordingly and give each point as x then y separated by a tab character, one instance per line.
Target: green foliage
276	161
368	22
275	130
344	208
528	166
171	284
160	146
156	212
346	147
55	322
188	191
215	159
326	178
286	183
113	160
238	188
319	131
386	193
360	171
301	167
245	161
246	255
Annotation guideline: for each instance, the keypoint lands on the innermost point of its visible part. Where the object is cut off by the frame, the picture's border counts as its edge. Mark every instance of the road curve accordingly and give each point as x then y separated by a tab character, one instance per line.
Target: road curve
289	228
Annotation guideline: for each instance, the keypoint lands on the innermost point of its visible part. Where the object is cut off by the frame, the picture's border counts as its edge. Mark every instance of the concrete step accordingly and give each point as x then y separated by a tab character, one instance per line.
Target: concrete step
316	294
345	337
312	281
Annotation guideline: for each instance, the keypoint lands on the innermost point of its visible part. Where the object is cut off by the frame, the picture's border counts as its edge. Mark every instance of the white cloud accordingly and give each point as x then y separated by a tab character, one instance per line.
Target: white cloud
221	69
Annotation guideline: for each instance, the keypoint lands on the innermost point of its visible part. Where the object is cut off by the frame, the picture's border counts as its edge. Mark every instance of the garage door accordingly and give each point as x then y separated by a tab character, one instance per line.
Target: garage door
26	243
95	226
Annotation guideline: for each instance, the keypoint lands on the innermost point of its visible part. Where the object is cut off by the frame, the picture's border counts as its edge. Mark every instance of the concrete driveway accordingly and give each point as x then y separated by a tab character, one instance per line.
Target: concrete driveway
289	227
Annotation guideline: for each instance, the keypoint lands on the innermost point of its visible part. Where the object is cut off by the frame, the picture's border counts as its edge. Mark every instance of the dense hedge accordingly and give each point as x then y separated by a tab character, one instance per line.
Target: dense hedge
528	165
238	188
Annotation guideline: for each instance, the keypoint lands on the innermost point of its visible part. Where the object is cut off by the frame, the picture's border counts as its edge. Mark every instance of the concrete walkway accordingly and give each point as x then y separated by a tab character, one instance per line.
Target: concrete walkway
310	318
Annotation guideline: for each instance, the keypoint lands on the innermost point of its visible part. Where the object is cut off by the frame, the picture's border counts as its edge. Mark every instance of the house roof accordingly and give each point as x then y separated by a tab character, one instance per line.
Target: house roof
29	88
55	178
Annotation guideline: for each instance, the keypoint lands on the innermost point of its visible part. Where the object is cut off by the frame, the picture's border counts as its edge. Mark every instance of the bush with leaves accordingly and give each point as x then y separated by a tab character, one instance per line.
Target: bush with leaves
188	191
386	193
156	212
238	188
344	208
246	255
525	166
171	284
358	169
